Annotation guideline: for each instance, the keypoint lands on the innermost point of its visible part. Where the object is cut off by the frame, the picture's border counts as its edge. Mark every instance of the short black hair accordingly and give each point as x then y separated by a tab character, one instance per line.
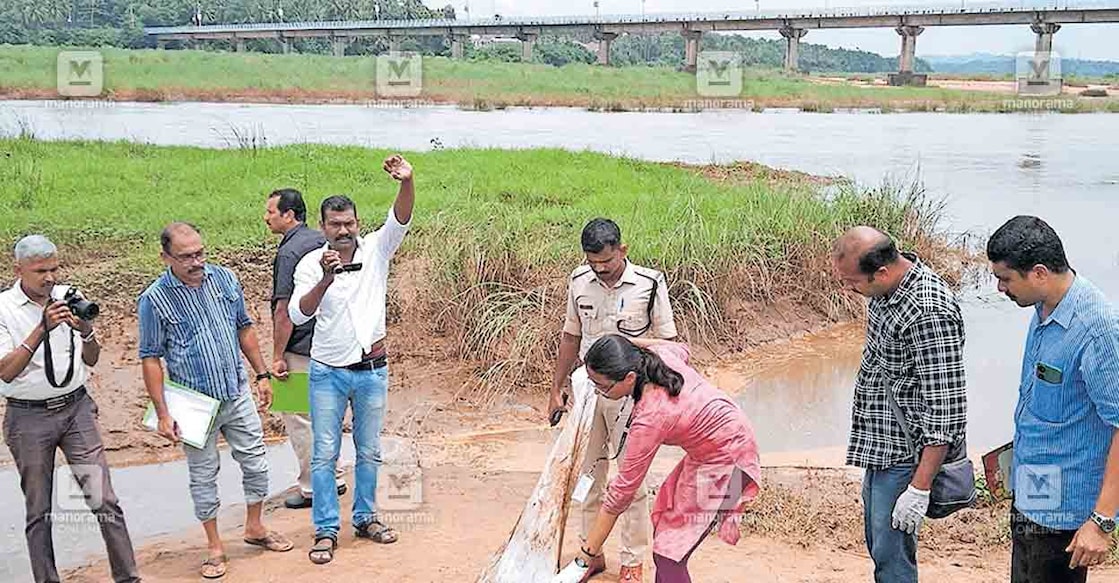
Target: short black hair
169	230
599	234
290	200
1026	241
337	203
881	254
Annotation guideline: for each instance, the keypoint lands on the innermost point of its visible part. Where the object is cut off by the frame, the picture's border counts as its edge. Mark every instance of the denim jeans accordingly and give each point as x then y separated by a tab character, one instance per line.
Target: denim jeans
894	552
332	389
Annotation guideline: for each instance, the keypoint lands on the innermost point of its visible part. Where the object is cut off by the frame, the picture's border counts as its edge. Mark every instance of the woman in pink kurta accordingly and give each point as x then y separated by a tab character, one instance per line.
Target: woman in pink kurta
674	405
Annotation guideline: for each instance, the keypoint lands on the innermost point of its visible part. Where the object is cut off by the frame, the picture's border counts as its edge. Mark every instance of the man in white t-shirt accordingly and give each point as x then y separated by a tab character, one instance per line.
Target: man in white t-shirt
343	287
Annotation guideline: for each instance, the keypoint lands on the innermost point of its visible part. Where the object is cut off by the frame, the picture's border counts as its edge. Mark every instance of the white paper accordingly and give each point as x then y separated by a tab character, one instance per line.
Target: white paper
582	488
191	410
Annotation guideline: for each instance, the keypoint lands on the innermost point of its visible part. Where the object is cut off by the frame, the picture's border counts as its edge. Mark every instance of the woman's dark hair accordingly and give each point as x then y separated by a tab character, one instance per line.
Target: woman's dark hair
614	357
1026	241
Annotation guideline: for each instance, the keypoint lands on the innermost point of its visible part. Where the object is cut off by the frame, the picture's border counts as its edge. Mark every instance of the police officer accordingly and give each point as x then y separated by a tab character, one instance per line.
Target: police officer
610	295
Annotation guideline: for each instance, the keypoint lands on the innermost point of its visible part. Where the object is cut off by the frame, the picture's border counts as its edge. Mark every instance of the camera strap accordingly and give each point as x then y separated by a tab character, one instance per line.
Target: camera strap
48	358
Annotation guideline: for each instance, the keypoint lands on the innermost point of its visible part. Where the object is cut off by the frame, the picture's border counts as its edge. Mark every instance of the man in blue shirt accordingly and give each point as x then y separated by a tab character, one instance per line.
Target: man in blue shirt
1066	461
193	318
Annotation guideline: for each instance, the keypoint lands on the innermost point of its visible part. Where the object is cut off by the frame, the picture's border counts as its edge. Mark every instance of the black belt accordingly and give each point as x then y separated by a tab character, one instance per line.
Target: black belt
374	363
49	404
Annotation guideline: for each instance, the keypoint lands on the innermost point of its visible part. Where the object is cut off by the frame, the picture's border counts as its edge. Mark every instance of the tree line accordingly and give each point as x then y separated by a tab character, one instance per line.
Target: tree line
120	23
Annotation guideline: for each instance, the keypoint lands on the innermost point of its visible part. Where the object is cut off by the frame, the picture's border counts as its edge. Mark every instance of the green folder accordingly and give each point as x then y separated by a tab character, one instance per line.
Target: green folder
291	395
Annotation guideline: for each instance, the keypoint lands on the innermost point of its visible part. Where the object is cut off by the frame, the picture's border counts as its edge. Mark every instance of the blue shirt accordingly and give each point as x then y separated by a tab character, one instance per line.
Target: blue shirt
194	330
1065	421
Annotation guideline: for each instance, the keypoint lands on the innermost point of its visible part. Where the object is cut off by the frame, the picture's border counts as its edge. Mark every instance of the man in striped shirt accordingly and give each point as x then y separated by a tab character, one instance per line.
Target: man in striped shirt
193	317
1066	462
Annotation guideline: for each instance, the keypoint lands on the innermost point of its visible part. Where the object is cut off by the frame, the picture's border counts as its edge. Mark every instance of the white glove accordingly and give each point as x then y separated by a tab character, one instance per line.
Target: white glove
910	509
572	573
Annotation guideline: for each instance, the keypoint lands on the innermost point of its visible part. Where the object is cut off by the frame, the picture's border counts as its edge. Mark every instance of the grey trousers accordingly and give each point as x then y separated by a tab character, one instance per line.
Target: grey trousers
240	424
33	435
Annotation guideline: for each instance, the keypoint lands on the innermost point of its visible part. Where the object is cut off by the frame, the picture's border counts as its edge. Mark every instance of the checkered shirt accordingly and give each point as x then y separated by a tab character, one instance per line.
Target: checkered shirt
915	348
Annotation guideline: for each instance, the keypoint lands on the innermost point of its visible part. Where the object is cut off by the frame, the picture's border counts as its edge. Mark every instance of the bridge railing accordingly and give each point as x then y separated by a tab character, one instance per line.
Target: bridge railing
535	21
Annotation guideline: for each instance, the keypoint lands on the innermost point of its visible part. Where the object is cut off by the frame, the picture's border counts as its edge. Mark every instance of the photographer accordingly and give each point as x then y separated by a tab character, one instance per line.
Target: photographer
49	409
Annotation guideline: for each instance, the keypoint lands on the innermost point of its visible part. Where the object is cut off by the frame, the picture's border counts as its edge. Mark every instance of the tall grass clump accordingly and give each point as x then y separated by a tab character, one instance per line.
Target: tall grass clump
495	233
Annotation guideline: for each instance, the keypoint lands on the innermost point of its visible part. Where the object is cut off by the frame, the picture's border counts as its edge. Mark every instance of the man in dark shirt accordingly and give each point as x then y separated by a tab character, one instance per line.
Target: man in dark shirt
286	214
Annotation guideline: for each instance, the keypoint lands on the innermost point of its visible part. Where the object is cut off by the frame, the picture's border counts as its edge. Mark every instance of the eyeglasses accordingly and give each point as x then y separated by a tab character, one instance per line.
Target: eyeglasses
199	255
604	391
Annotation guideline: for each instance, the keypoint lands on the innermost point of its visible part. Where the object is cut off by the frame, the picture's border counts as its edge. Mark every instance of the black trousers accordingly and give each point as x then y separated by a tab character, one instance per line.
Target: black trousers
1038	554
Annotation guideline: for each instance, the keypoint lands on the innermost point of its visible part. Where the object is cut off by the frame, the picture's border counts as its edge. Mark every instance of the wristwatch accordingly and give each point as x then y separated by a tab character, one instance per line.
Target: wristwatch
264	375
1106	524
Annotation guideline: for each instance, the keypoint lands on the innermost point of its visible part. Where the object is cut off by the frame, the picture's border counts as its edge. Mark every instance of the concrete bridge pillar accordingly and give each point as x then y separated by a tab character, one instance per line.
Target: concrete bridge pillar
908	57
691	49
1039	80
338	45
604	40
160	44
285	45
792	46
458	46
394	44
528	40
239	45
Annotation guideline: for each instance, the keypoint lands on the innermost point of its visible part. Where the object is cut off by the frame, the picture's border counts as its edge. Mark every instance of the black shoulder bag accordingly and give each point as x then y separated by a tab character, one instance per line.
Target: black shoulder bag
953	487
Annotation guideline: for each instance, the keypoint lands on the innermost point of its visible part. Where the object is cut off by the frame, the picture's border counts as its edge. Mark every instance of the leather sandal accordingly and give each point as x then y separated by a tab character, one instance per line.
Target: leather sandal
214	567
323	550
377	532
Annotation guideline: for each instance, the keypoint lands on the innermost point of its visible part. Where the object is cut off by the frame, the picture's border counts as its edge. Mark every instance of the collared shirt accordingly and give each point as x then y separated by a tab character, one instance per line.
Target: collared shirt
914	348
627	308
195	331
295	244
1063	430
351	316
18	317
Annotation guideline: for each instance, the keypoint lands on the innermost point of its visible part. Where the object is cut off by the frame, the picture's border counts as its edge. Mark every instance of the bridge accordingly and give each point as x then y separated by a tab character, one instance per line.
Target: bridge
1043	18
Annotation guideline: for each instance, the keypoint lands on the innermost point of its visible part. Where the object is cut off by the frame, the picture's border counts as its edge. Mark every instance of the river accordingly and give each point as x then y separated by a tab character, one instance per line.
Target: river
988	168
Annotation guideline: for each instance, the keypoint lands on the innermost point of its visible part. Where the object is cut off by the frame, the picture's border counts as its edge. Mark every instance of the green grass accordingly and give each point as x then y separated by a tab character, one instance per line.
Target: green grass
163	75
496	231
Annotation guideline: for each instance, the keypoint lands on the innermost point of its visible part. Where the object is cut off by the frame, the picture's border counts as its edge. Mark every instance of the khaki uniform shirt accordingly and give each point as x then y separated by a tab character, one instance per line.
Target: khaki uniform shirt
595	310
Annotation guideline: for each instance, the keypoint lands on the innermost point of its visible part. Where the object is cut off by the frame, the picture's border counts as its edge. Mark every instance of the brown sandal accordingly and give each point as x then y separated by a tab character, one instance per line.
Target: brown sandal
320	553
273	541
377	532
214	567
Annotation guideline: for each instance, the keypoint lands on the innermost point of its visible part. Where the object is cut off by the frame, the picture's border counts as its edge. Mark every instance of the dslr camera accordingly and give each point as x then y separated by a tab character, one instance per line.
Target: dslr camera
79	306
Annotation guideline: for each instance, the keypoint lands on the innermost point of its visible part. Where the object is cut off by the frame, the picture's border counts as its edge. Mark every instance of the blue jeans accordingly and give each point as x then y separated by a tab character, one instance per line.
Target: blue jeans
332	389
894	552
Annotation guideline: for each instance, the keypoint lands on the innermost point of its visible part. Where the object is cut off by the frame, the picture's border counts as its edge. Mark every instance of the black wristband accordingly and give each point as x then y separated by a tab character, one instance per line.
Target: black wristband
264	375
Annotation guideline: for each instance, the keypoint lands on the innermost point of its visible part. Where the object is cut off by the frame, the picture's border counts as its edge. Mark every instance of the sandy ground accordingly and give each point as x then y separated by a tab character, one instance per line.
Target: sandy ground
474	489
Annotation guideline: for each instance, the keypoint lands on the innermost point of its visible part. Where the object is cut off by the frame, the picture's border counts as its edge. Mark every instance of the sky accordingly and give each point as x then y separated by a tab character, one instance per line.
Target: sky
1083	41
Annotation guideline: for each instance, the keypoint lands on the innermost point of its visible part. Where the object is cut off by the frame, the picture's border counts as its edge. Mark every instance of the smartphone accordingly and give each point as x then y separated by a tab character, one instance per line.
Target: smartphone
349	267
1049	374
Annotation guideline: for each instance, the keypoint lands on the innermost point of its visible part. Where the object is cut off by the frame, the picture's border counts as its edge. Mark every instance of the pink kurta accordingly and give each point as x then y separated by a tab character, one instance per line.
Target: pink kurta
717	438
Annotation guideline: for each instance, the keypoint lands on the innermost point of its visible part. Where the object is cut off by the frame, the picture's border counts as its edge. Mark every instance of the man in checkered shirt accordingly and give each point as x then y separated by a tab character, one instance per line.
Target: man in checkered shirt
914	348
